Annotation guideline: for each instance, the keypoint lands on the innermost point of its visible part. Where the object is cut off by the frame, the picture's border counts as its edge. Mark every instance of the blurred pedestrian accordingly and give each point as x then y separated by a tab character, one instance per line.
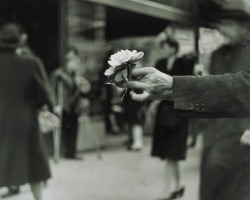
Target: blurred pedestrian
24	89
23	50
170	134
112	104
134	120
73	85
116	110
225	170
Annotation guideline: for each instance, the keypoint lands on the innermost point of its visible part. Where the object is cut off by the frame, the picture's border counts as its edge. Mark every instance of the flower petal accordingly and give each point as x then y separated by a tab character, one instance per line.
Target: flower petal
124	56
109	71
114	63
137	56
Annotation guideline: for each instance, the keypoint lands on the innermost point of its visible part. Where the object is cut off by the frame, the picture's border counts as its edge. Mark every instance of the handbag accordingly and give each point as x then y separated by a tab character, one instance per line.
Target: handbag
48	121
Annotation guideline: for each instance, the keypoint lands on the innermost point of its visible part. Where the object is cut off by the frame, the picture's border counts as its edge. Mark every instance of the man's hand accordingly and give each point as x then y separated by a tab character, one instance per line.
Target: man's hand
154	84
57	110
245	138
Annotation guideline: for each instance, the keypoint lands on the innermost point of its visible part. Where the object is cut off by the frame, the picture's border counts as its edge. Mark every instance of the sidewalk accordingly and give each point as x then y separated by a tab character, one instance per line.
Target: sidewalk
119	175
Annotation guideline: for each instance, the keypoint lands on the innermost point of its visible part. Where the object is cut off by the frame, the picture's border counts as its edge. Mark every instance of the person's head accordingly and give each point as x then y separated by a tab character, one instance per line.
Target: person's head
234	30
72	52
73	62
233	20
10	36
170	46
24	36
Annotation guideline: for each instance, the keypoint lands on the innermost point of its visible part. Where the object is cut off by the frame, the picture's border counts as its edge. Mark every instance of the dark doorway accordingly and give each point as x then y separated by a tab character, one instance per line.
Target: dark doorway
121	23
40	20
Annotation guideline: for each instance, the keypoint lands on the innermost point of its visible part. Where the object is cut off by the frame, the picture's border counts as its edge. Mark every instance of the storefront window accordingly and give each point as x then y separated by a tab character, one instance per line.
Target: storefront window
86	32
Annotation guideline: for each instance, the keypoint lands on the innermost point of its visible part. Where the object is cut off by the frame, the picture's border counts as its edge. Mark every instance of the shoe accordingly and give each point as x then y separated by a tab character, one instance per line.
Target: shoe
176	194
12	190
136	147
73	157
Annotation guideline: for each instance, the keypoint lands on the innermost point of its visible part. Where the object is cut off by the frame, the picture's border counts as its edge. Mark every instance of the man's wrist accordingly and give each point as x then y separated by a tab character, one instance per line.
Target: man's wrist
169	95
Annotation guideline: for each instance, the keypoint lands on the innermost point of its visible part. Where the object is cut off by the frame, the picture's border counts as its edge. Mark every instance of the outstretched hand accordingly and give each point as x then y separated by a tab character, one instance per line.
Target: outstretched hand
245	138
154	84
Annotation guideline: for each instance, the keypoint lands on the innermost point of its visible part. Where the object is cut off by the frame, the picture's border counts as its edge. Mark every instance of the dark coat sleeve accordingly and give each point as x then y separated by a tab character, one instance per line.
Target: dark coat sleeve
225	95
44	91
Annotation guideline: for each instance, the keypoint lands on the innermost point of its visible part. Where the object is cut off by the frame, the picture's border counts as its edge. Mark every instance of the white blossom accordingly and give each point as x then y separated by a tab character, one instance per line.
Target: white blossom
109	71
122	57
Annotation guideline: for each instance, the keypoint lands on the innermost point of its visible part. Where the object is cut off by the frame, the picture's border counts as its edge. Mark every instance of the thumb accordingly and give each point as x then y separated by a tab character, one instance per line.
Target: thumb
139	97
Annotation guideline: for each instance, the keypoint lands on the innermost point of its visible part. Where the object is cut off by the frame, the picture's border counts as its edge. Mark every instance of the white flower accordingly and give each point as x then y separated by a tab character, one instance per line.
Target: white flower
124	56
136	55
109	71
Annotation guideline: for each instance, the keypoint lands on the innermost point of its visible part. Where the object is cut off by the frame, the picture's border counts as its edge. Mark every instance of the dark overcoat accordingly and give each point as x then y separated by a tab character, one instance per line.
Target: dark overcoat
23	89
225	172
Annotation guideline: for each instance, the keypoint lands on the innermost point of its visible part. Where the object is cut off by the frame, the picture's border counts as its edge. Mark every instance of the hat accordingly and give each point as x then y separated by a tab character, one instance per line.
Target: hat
10	36
235	10
213	10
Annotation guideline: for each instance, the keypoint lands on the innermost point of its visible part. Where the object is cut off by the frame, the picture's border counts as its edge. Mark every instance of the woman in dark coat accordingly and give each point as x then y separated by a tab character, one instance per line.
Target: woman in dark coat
170	134
24	89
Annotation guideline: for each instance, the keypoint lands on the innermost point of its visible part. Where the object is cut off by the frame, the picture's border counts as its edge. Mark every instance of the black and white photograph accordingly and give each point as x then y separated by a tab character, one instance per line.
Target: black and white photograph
124	99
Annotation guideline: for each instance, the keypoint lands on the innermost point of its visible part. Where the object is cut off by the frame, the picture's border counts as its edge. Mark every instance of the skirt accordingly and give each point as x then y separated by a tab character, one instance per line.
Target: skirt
170	142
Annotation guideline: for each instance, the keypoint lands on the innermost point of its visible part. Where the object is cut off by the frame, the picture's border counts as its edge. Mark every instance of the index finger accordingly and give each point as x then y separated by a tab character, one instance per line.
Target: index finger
141	71
136	85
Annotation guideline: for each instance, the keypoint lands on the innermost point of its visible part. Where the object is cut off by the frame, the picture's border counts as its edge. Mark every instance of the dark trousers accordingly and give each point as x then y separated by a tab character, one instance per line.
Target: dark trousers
234	185
225	170
69	133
